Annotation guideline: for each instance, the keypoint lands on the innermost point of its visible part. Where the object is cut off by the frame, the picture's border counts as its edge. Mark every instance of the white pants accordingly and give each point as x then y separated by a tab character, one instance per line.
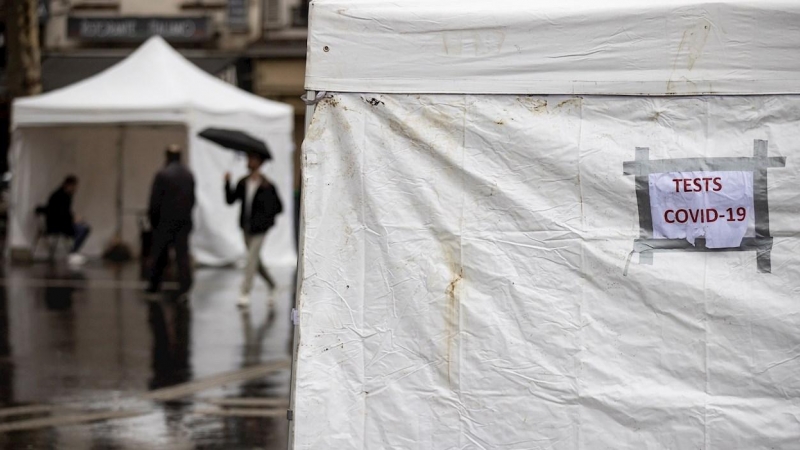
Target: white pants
254	243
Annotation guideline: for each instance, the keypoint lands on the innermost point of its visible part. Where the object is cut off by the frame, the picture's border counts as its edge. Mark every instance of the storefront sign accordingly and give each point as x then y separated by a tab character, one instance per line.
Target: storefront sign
177	29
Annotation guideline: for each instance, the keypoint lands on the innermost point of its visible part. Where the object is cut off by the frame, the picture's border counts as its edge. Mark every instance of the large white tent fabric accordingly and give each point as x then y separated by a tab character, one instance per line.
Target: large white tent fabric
559	47
153	89
491	261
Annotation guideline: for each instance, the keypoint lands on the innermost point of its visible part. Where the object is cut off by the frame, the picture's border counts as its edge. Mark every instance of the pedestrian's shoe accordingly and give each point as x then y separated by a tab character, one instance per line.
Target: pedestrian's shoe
244	301
76	259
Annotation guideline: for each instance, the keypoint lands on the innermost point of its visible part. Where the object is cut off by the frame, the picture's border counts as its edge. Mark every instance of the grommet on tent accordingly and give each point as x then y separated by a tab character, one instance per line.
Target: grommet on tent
317	98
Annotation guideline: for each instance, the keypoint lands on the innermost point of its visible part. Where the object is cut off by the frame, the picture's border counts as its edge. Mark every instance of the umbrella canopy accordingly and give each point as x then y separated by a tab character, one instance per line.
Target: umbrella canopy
236	140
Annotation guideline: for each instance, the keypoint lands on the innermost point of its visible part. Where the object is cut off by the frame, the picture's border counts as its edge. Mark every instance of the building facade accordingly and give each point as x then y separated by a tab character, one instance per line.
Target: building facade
259	45
201	29
207	24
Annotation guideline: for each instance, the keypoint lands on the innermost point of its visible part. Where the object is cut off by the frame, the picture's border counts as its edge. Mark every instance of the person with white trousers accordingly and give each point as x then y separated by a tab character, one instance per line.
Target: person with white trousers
260	204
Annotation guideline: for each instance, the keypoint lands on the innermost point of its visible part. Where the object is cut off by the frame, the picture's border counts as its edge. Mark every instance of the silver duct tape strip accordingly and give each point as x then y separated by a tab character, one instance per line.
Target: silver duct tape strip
701	165
761	186
643	200
762	247
759	164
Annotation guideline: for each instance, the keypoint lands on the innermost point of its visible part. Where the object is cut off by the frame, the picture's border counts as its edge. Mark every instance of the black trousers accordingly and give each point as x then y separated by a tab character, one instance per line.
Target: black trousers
165	236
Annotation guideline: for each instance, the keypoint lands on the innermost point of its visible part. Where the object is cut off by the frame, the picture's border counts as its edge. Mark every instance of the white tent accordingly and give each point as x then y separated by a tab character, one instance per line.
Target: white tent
551	225
111	131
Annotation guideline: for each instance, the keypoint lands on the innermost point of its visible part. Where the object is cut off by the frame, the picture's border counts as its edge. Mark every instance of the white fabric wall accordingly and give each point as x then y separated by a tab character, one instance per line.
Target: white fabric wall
217	238
463	279
42	156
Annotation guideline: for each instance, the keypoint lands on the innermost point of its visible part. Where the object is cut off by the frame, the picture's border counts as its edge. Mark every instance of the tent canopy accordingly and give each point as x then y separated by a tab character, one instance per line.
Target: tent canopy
621	47
144	97
154	84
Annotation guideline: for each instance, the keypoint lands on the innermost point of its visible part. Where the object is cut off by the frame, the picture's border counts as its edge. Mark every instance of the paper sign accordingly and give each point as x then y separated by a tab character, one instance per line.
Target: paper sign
717	206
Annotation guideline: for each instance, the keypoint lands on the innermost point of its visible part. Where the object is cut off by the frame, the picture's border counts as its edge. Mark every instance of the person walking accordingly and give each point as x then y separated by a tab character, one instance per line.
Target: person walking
260	205
61	220
170	212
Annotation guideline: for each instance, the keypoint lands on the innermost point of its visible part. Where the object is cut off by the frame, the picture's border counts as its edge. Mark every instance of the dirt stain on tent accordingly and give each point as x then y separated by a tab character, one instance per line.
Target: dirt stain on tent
689	51
534	105
477	42
373	101
452	309
655	117
576	101
427	128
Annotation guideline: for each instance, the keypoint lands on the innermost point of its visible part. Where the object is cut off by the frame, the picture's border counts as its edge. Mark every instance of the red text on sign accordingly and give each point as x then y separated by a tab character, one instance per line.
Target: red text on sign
709	215
707	184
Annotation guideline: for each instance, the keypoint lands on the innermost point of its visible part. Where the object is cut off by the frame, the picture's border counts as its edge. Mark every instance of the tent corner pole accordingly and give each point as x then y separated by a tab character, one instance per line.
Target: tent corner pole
120	180
310	107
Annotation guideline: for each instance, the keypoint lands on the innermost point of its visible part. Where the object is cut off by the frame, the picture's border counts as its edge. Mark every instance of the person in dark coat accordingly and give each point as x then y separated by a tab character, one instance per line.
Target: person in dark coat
61	220
170	212
260	205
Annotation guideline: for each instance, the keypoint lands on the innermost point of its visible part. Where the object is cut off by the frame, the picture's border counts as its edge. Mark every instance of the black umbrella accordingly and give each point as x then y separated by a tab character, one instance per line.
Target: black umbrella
236	140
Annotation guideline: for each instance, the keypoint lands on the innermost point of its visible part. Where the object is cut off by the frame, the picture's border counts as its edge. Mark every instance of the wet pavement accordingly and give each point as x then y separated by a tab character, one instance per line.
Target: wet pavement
87	362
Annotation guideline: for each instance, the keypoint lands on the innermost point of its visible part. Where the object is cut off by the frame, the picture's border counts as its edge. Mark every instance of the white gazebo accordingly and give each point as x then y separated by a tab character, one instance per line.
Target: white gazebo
111	130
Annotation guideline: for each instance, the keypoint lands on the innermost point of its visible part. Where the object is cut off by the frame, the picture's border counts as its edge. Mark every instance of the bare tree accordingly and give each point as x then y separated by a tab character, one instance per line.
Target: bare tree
24	69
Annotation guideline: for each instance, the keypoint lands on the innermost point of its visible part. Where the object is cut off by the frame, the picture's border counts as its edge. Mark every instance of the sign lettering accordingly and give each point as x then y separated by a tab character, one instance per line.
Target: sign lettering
178	29
715	205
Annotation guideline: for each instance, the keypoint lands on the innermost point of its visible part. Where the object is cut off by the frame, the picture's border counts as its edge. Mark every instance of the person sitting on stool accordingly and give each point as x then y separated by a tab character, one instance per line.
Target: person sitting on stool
62	221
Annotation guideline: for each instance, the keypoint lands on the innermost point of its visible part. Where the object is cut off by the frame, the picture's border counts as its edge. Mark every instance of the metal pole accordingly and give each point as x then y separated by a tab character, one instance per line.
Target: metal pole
120	181
299	285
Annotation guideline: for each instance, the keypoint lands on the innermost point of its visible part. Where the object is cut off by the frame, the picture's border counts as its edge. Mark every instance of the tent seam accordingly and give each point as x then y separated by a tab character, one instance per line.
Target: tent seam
362	281
461	254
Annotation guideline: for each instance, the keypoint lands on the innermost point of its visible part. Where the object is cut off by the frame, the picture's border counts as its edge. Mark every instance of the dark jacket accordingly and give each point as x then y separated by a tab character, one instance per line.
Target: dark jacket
59	213
266	205
172	196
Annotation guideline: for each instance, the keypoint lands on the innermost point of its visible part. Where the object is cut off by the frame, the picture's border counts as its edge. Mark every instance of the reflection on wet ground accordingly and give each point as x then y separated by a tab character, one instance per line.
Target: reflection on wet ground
86	361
